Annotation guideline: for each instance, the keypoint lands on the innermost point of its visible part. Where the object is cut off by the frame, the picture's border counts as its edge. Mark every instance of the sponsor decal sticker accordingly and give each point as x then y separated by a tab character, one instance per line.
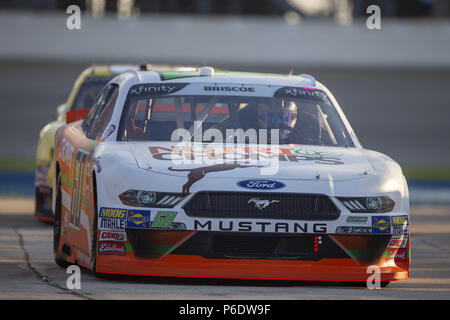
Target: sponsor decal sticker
111	248
259	184
399	220
138	219
381	224
111	224
156	89
112	236
112	219
113	213
229	88
163	219
398	243
399	227
353	219
402	255
65	152
244	155
398	232
314	94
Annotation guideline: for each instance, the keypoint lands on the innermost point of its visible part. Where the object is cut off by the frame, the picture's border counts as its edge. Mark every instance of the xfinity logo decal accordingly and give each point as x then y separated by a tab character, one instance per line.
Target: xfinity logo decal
262	203
259	184
258	226
156	89
300	92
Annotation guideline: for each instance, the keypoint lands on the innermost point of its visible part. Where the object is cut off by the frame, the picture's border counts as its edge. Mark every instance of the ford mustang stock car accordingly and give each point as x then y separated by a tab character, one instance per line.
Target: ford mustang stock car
146	185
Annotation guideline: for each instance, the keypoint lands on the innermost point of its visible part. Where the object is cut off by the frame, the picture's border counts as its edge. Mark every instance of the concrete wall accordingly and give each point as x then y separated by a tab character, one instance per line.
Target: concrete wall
246	41
393	84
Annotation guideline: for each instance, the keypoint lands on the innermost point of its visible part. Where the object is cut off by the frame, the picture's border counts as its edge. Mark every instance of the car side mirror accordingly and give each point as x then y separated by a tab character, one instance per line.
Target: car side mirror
75	115
60	111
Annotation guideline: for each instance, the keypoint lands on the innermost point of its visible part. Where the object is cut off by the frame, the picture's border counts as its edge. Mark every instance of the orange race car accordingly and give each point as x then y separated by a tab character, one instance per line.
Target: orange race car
226	175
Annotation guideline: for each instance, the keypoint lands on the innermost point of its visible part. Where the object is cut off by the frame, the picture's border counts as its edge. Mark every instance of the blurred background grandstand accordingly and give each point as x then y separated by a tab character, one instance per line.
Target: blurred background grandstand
336	9
392	83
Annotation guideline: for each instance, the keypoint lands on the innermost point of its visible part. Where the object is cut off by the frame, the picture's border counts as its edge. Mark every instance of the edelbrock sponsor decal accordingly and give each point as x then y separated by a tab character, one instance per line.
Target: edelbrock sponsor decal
259	184
111	248
402	255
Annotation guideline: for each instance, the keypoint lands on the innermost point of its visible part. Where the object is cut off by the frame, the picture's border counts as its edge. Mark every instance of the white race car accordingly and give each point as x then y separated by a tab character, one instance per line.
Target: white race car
226	175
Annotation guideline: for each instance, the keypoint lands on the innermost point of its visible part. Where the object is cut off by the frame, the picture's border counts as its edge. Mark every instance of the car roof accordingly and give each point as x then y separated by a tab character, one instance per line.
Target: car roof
203	75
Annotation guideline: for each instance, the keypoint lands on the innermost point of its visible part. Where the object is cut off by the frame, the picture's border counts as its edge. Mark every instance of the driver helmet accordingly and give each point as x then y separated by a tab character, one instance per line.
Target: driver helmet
284	118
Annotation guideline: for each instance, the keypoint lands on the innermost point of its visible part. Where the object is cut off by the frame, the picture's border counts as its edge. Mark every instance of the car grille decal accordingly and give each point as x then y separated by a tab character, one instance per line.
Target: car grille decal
288	206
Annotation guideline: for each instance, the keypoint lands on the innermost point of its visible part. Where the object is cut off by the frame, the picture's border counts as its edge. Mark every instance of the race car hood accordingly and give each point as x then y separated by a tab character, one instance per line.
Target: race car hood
291	162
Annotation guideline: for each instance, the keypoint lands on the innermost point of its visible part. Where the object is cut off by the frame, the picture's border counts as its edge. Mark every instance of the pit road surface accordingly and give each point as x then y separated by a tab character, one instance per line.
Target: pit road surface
27	269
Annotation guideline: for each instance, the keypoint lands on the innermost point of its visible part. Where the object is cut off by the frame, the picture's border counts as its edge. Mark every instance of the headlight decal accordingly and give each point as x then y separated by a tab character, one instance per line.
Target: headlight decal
368	204
142	198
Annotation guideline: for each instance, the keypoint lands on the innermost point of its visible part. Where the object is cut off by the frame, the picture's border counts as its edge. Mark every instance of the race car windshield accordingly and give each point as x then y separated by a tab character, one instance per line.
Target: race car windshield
89	90
310	120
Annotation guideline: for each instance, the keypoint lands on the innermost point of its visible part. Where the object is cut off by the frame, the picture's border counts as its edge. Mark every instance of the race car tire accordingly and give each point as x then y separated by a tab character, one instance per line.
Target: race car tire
57	225
93	262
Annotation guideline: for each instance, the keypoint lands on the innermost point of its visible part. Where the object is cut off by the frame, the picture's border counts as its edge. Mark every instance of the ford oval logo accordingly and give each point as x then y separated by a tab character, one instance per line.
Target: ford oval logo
260	184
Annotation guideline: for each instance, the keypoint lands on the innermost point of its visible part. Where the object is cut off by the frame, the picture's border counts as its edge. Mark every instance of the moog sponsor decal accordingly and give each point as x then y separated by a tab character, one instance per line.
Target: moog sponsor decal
112	219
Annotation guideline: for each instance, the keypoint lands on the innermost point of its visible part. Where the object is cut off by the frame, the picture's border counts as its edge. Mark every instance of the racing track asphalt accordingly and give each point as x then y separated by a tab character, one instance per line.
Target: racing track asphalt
27	269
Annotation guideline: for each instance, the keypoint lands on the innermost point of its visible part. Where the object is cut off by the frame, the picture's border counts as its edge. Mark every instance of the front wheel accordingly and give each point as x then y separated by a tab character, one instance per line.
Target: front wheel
93	263
57	225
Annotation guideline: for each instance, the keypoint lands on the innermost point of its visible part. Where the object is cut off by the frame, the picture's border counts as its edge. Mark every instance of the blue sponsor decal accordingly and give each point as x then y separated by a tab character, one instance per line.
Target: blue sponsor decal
381	224
138	219
259	184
